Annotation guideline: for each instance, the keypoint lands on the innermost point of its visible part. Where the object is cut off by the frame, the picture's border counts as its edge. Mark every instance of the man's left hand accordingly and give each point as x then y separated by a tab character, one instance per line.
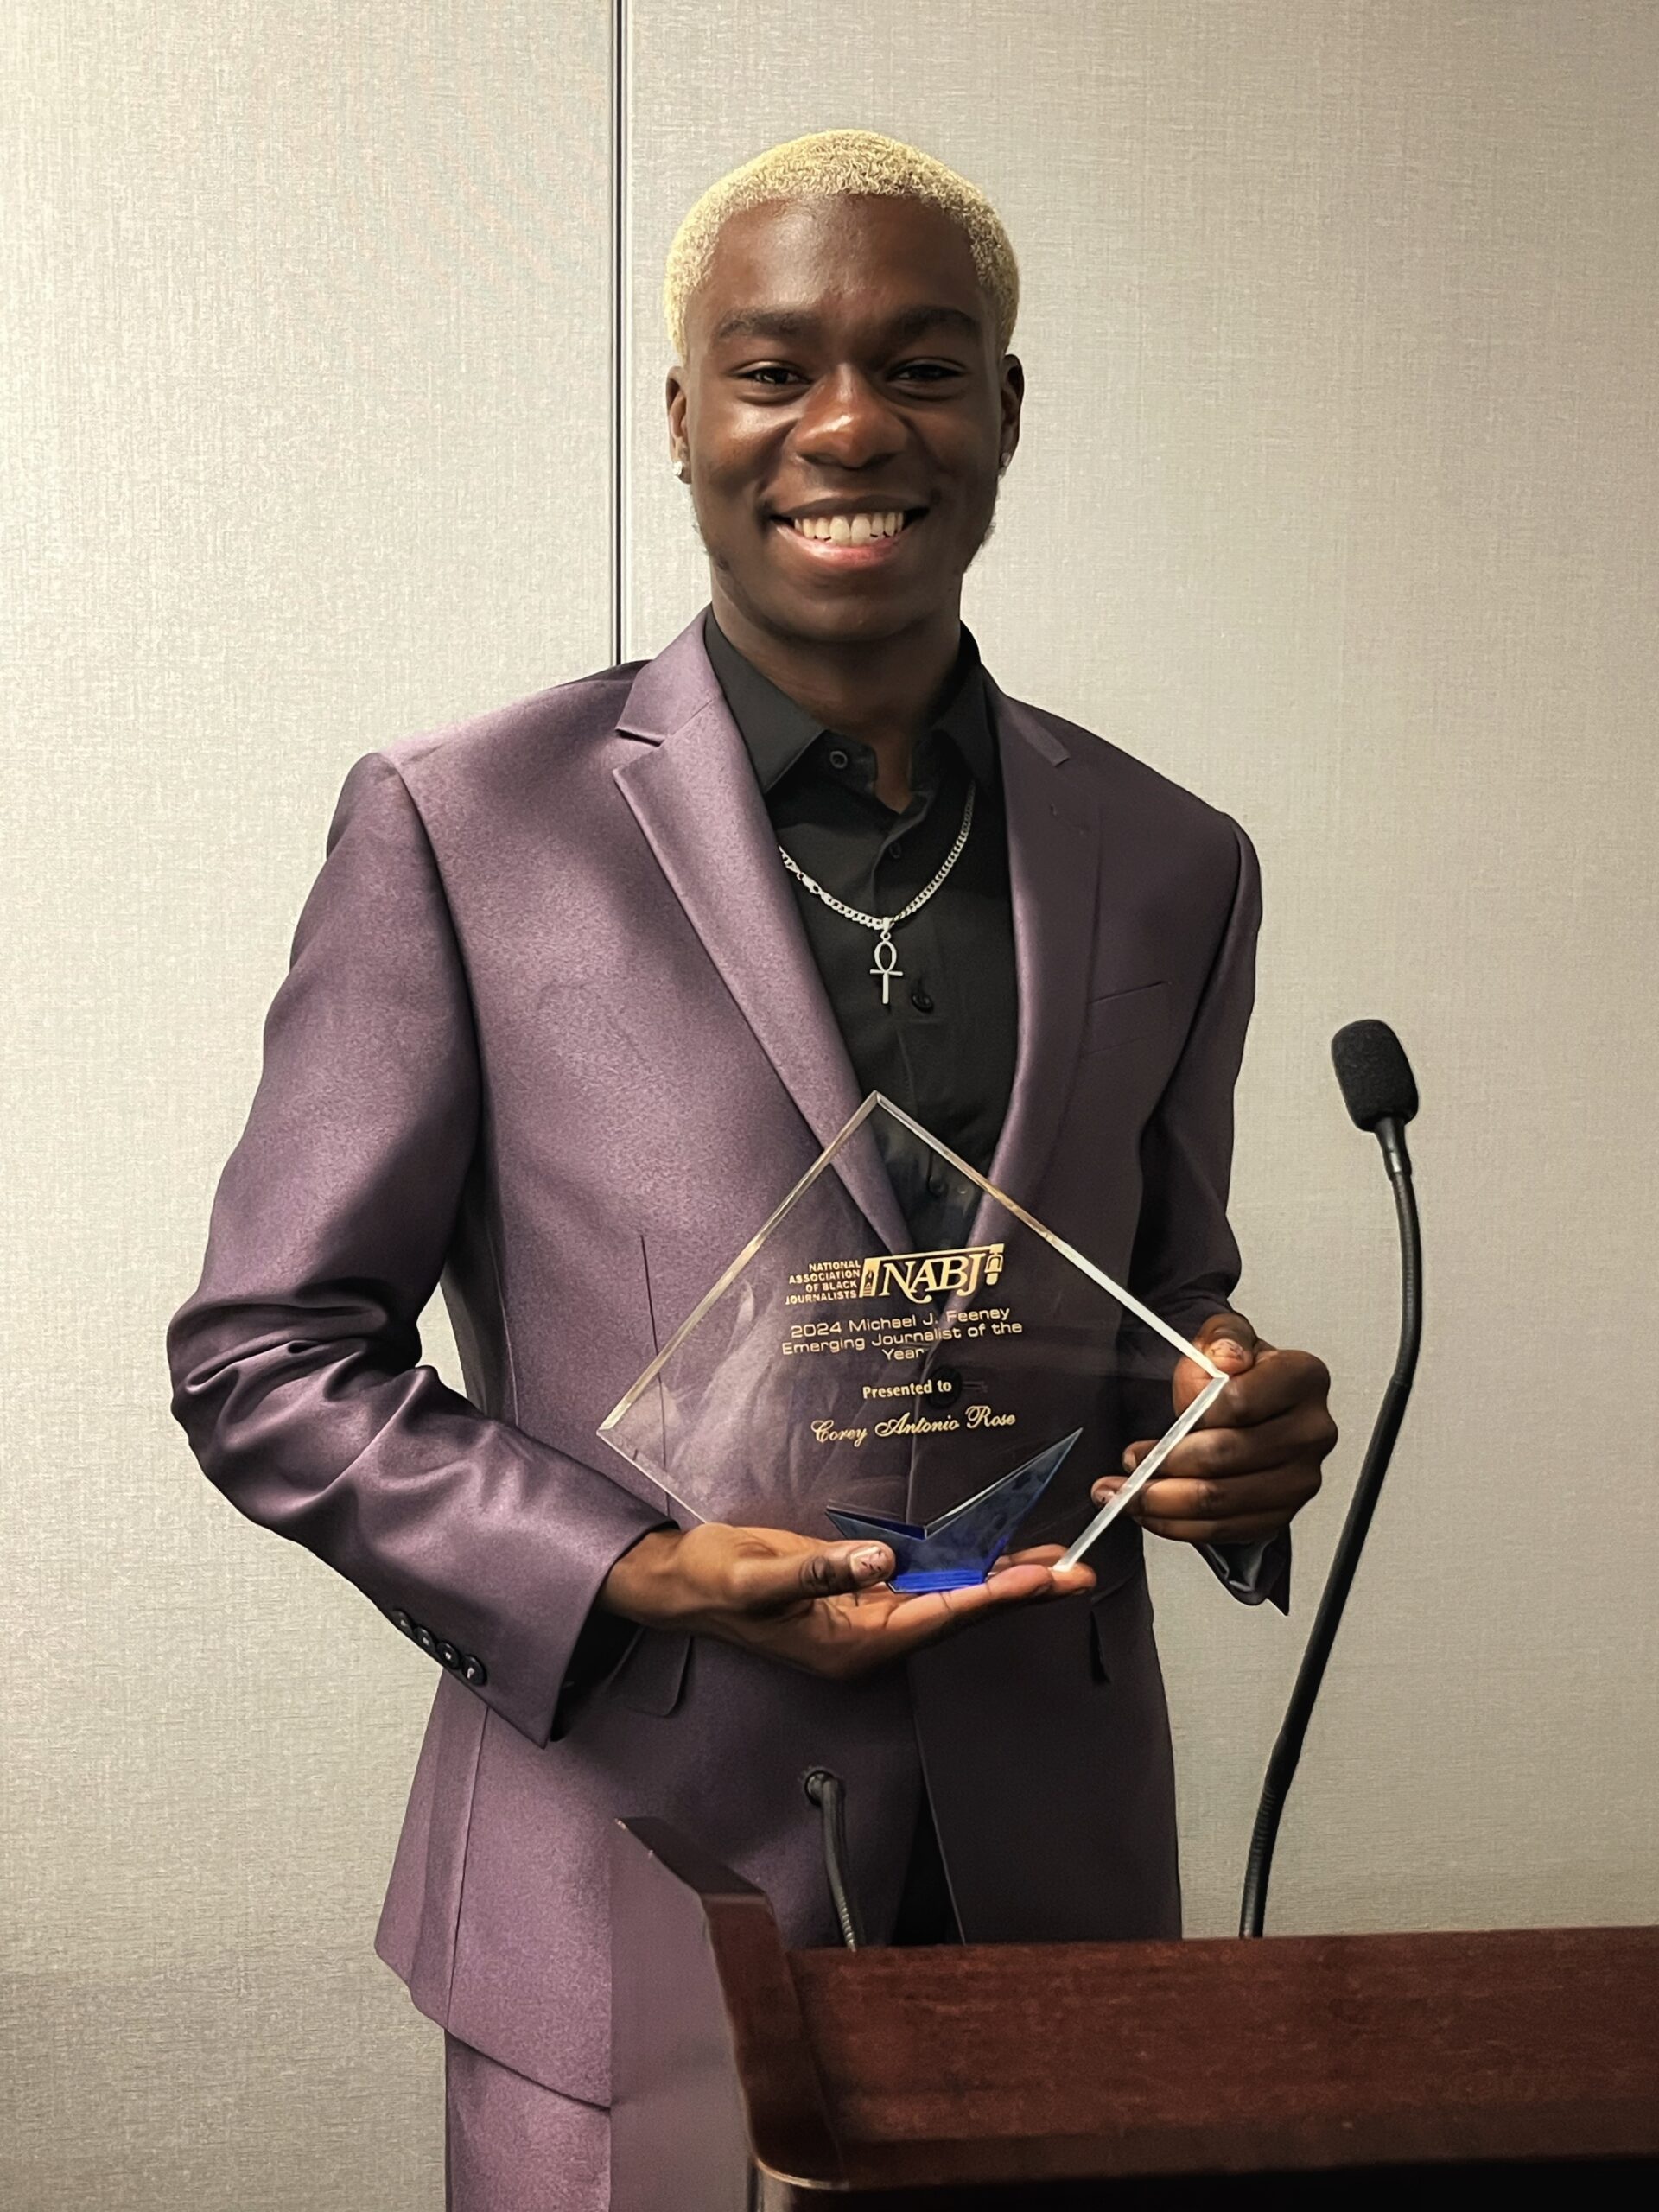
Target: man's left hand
1253	1462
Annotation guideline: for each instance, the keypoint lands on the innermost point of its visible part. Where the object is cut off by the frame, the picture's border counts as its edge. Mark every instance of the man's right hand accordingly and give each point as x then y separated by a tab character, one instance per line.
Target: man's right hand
828	1608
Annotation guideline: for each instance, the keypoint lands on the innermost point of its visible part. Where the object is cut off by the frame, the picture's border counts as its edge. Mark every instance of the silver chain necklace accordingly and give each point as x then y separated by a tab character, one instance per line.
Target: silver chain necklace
887	953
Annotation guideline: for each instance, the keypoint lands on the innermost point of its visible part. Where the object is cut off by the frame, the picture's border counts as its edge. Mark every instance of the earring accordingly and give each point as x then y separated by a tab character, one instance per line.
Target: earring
682	471
1002	464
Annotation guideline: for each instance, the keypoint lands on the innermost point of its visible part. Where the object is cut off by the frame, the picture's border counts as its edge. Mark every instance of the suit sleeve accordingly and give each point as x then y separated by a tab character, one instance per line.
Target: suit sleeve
296	1362
1186	1264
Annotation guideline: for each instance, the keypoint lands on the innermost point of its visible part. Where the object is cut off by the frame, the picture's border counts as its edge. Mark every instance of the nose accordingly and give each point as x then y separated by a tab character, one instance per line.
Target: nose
846	424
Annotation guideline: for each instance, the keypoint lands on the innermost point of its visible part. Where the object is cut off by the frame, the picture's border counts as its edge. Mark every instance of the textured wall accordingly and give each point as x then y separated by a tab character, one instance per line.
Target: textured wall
1336	500
305	447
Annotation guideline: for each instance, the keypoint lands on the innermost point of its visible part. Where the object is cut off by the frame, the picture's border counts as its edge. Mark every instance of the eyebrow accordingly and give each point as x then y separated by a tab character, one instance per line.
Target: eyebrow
790	322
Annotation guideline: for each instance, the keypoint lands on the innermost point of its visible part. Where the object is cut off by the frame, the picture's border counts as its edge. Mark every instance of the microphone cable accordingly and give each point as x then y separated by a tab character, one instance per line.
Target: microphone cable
828	1792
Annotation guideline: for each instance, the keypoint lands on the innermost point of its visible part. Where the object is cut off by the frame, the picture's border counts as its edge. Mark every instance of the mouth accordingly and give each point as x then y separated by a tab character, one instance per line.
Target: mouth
859	539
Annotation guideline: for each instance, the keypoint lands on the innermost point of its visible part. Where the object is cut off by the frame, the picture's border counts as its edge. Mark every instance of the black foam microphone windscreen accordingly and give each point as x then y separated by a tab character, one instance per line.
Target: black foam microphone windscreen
1373	1073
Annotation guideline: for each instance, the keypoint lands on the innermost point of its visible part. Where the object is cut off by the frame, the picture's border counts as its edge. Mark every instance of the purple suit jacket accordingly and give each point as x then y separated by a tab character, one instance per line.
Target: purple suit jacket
553	1034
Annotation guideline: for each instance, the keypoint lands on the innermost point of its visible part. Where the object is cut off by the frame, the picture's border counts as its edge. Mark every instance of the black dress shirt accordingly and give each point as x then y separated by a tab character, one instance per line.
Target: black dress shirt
942	1046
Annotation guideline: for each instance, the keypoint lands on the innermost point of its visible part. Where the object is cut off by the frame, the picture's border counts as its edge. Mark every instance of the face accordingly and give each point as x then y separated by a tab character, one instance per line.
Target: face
842	372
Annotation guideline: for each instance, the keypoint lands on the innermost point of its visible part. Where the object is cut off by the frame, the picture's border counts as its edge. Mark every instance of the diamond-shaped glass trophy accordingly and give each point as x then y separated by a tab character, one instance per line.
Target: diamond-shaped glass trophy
901	1350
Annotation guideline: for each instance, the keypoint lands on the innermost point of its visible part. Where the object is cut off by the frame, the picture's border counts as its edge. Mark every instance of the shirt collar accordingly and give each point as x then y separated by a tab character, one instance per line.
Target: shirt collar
777	732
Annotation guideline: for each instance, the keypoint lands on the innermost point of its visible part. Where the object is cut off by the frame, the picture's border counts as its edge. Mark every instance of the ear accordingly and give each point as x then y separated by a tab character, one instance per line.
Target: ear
676	395
1013	396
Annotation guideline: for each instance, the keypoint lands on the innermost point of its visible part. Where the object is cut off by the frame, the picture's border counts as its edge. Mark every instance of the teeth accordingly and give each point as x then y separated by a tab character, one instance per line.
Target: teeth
851	530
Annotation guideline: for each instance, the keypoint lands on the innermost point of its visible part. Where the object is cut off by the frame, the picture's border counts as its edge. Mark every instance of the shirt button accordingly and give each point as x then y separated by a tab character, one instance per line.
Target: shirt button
895	848
921	1002
837	758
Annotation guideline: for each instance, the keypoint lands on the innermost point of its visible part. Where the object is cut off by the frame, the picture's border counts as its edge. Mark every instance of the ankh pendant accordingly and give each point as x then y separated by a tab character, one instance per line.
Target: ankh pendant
887	969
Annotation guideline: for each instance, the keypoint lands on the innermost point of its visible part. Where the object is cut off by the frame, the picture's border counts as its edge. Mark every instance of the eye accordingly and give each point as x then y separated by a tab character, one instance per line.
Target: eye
776	375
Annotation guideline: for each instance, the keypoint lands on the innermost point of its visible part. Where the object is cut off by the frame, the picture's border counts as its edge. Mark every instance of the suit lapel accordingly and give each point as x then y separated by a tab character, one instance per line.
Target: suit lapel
693	792
1053	865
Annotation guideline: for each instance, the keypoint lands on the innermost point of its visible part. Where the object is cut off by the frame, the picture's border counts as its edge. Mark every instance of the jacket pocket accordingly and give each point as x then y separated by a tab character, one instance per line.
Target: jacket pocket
1125	1017
650	1674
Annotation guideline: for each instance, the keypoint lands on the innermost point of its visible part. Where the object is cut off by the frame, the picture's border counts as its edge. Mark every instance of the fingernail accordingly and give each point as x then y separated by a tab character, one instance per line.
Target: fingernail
1128	1460
1231	1344
869	1565
1107	1486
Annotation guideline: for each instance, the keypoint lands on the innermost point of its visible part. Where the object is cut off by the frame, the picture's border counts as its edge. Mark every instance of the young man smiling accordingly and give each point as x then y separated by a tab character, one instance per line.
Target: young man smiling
582	988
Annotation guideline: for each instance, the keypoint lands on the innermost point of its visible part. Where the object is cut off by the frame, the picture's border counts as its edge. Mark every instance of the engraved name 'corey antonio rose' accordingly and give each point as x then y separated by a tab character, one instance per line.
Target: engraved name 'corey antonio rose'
828	1431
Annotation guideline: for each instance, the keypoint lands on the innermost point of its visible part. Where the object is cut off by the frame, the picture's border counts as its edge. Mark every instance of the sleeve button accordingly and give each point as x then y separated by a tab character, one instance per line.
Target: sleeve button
473	1671
428	1642
400	1620
448	1655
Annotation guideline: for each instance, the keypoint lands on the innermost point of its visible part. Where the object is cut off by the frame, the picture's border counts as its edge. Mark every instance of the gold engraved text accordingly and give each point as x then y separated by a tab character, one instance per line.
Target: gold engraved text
922	1275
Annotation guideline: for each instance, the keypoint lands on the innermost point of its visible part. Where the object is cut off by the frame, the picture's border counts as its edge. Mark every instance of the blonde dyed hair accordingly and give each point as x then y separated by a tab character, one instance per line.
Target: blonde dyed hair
834	164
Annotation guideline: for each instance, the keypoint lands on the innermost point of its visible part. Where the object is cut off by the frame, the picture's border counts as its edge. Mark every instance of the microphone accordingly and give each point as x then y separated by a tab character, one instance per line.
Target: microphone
1380	1095
1377	1086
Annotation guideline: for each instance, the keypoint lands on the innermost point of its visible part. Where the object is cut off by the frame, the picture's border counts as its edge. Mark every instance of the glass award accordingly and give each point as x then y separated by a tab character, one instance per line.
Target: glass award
902	1351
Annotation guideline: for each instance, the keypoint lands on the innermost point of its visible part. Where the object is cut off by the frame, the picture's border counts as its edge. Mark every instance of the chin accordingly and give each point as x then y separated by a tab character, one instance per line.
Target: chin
837	617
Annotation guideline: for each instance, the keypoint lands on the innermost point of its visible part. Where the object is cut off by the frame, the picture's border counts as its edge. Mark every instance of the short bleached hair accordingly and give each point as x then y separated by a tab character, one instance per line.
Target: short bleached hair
833	164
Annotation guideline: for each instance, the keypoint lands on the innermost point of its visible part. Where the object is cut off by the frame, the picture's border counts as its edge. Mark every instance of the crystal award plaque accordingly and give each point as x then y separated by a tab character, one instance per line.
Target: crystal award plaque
901	1350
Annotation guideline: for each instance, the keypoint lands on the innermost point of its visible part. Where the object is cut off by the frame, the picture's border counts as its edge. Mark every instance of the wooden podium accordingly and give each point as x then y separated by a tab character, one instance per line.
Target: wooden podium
1346	2070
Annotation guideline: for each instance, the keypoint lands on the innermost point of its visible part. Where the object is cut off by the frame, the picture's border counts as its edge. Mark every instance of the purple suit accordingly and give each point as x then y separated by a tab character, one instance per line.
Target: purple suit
553	1033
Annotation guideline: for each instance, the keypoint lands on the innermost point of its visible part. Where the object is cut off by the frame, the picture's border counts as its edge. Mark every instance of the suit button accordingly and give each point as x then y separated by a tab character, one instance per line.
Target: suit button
428	1642
473	1671
449	1653
401	1620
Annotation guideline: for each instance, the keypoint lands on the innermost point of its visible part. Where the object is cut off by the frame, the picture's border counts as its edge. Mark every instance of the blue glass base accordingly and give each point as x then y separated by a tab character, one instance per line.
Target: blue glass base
960	1546
943	1578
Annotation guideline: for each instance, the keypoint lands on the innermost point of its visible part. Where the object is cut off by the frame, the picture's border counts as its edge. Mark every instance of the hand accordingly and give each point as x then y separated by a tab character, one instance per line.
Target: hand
1253	1461
828	1608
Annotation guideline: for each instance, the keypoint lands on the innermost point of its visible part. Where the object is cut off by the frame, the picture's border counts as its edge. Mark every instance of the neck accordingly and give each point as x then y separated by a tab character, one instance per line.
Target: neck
877	690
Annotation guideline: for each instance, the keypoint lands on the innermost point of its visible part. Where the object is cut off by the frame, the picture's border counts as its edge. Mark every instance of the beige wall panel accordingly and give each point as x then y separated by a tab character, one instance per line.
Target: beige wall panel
304	447
1337	501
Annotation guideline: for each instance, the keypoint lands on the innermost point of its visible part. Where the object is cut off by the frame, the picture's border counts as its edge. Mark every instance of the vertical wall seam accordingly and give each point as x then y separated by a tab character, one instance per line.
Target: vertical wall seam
619	325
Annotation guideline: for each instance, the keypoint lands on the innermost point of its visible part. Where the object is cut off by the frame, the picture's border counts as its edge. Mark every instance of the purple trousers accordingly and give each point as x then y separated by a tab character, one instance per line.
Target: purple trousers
510	2146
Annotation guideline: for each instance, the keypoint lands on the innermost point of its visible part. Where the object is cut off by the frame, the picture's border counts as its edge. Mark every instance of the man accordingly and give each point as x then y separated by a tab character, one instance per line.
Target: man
564	1022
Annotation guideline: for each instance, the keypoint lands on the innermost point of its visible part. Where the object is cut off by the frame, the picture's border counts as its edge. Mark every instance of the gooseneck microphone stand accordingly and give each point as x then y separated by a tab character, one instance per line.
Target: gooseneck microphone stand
828	1792
1376	1083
